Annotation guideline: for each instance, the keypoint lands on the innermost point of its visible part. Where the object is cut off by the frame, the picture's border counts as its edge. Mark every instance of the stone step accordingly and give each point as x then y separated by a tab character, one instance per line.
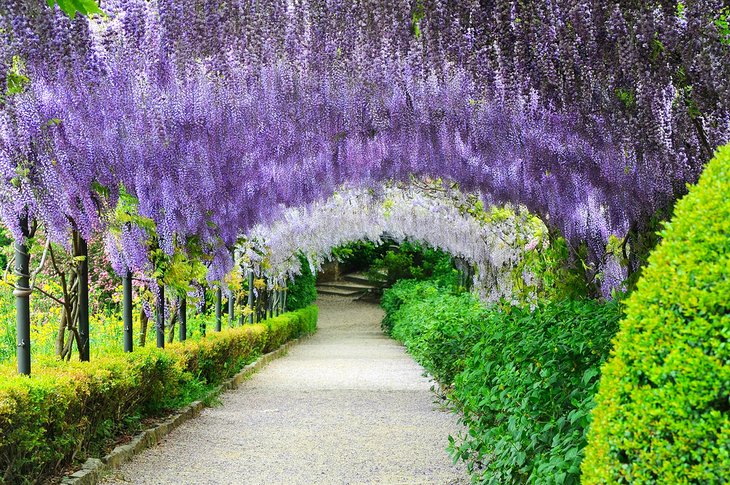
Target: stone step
345	285
337	292
370	297
359	278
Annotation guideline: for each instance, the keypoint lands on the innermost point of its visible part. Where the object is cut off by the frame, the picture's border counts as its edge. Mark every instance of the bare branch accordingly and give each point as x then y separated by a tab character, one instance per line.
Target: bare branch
42	263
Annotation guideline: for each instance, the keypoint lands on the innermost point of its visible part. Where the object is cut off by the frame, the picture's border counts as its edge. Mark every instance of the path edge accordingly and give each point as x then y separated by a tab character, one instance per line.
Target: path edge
94	469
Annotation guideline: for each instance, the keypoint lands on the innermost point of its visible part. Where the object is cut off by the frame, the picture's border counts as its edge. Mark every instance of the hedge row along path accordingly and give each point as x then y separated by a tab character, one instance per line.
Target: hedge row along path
346	406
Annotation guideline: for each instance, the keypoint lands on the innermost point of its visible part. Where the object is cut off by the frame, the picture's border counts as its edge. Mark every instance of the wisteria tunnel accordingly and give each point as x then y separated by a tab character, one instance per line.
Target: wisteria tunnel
173	159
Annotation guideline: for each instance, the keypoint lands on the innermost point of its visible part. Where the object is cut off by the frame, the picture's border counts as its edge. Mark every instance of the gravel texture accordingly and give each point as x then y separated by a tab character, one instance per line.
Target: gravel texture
346	406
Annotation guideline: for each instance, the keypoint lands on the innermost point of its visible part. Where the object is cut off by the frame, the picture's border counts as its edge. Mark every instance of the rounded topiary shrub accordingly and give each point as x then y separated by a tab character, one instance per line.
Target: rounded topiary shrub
663	406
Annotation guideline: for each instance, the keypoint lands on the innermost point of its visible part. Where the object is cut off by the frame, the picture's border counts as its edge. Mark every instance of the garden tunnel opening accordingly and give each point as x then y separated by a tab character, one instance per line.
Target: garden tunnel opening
209	133
268	257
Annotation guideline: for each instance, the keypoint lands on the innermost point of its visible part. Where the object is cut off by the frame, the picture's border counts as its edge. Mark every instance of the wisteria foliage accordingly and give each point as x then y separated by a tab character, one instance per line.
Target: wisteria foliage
435	218
592	114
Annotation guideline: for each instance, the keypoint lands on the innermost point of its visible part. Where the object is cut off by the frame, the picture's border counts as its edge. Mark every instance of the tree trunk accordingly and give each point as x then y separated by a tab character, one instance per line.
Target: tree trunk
61	335
69	319
173	322
143	320
70	316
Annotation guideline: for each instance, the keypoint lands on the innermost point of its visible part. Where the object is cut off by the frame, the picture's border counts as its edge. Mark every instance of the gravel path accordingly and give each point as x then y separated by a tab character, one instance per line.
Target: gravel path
346	406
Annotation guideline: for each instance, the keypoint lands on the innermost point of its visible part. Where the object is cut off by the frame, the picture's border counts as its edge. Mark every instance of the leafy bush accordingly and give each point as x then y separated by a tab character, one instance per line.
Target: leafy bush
523	381
436	326
527	391
358	255
413	261
663	410
66	409
404	291
289	326
302	291
53	416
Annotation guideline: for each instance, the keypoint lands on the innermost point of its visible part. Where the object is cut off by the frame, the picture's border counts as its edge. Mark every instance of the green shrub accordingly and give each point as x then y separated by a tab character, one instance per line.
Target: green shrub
358	255
523	381
663	409
302	291
307	319
436	326
411	260
402	292
289	326
221	354
67	410
527	390
55	415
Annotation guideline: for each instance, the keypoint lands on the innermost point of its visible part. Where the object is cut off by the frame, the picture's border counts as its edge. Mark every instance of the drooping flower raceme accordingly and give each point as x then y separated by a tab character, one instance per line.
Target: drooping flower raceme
214	115
401	213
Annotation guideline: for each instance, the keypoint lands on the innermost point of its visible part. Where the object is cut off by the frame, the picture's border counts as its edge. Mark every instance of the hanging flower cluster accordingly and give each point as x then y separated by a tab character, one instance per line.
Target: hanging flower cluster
436	218
214	115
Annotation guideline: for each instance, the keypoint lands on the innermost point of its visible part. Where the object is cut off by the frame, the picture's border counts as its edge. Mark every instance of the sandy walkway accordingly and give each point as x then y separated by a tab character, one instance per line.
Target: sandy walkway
346	406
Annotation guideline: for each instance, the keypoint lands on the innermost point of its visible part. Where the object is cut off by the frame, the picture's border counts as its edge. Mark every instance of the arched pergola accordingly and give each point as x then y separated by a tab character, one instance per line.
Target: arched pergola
214	116
430	214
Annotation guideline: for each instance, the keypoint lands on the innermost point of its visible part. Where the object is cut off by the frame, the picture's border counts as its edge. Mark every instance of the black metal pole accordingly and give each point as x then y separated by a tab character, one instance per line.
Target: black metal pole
127	312
273	303
218	309
160	327
260	305
204	304
250	296
183	319
241	317
82	252
203	311
231	309
22	306
274	296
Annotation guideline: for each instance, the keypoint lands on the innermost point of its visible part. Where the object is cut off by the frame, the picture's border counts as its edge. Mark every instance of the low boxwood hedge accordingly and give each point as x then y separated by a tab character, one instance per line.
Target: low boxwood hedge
66	410
290	325
663	408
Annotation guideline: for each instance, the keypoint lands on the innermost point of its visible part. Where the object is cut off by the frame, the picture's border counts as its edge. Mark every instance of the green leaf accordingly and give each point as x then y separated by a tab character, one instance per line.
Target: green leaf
100	189
67	7
590	374
87	7
72	7
16	80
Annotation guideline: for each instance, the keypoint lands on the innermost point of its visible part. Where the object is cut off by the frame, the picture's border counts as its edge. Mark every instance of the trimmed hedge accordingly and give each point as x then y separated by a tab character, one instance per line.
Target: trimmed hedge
289	326
663	409
437	327
65	409
523	381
